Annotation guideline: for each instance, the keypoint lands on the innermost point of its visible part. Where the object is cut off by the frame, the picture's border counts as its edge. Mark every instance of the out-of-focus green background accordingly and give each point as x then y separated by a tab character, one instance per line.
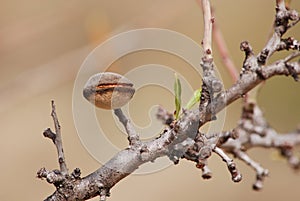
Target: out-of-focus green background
43	44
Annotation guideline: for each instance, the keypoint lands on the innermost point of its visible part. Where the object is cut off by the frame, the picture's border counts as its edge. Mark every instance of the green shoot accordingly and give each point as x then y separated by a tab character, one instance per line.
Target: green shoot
195	99
177	90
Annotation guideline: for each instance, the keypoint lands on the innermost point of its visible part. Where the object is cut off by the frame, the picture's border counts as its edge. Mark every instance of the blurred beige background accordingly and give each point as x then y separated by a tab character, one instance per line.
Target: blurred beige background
42	46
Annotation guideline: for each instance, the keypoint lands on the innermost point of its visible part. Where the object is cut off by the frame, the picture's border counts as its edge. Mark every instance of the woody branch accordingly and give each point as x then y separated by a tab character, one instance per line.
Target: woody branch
182	138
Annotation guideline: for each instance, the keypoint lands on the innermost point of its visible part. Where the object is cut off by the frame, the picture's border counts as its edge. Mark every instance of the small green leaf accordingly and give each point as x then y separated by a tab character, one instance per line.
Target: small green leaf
195	99
177	90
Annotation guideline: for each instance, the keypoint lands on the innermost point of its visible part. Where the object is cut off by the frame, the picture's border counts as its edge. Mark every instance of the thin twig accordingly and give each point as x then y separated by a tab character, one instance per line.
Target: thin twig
235	175
58	142
208	21
211	84
222	47
281	25
292	56
261	173
133	137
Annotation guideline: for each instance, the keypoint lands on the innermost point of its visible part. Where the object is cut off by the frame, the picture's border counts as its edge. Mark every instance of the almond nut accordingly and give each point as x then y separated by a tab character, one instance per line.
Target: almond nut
108	90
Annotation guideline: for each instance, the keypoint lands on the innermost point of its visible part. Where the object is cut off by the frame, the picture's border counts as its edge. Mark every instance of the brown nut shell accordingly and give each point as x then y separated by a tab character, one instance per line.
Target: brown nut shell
108	90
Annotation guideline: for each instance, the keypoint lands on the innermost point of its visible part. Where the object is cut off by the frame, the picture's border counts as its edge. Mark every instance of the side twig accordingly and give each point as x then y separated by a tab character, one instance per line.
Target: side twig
57	140
133	137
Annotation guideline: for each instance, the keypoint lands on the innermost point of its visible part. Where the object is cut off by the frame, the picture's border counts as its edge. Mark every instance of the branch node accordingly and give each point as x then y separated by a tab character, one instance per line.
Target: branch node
174	155
262	57
166	117
53	177
213	83
258	185
76	173
49	134
246	47
292	71
103	191
252	63
289	43
144	153
236	176
206	172
260	73
287	152
225	136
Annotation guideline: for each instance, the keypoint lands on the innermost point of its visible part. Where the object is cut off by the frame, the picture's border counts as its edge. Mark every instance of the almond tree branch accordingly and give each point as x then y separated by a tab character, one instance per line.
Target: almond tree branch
181	138
128	160
254	131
